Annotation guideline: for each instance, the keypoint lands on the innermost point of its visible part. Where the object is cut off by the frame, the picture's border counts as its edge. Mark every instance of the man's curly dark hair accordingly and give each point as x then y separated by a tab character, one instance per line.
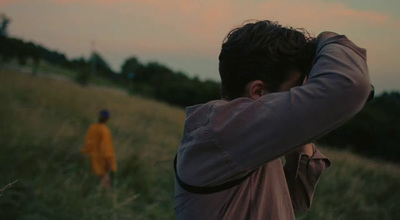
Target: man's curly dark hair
265	51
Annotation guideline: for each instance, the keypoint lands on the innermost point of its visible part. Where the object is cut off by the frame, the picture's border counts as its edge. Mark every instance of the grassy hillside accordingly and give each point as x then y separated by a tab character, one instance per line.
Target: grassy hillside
356	188
43	124
42	127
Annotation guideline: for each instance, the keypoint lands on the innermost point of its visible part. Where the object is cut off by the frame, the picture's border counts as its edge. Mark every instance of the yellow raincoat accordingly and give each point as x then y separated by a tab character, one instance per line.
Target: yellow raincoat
100	149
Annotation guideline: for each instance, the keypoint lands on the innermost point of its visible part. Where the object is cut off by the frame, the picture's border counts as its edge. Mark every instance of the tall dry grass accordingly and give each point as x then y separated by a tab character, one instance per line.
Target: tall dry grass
42	127
356	188
43	124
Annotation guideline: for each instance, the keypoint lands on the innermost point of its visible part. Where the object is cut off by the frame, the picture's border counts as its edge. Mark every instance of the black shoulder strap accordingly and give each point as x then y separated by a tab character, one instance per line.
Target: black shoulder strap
208	190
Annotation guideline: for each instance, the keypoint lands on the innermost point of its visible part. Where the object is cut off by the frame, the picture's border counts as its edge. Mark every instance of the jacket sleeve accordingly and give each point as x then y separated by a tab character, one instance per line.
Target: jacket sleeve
258	131
89	143
302	175
107	149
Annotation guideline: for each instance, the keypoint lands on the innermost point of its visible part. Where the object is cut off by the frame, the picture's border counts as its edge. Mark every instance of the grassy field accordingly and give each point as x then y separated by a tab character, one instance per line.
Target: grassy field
42	127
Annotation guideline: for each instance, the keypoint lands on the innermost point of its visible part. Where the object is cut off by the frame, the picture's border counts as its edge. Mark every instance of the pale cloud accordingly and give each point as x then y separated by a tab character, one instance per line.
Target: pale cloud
206	22
316	13
4	3
104	2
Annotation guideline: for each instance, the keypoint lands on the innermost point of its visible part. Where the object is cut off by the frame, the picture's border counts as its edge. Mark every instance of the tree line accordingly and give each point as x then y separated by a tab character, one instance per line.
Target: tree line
152	79
375	131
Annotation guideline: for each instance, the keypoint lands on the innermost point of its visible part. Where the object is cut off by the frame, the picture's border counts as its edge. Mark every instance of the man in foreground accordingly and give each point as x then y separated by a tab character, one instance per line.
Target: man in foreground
280	91
99	147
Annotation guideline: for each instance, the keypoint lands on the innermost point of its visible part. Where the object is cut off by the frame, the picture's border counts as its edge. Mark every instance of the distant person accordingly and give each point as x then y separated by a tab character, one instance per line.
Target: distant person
281	90
99	147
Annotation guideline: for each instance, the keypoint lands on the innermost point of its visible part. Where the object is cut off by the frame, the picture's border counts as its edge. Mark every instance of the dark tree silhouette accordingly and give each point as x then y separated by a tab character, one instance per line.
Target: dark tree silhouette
4	25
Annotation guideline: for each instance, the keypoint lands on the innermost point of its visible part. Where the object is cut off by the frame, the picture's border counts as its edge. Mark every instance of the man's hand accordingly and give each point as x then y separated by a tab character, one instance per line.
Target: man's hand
108	164
105	182
326	34
307	149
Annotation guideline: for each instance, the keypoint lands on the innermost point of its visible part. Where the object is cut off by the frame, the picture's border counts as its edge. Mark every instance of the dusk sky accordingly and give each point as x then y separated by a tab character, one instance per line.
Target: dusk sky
186	35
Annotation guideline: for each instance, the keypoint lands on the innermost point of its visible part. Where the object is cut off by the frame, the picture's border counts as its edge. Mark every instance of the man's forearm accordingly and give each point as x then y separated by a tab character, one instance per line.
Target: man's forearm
280	122
307	149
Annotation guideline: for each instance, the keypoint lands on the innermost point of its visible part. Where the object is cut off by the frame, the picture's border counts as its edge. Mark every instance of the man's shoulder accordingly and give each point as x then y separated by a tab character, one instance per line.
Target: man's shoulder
216	110
198	115
104	127
201	108
216	104
92	127
99	127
